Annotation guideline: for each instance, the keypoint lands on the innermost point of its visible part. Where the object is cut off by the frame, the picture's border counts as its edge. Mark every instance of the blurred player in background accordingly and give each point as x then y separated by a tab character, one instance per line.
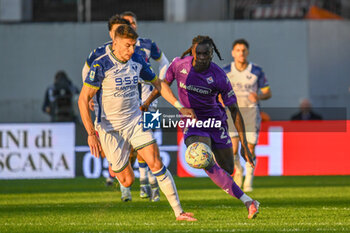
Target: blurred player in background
147	49
199	82
247	80
115	76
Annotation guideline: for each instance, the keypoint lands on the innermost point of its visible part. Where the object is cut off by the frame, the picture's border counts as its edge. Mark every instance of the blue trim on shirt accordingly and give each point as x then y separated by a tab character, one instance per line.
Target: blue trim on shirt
98	95
227	68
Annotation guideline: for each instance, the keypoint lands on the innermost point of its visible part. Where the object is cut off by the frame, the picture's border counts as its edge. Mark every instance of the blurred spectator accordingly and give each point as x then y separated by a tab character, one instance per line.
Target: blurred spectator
58	102
306	112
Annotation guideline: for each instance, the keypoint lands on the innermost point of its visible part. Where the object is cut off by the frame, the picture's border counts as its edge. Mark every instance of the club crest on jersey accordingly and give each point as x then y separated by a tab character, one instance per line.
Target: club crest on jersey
249	77
92	75
183	71
210	80
134	67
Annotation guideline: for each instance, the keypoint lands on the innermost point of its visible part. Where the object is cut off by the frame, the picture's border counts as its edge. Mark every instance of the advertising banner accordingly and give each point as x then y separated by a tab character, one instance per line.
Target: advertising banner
293	148
37	151
90	167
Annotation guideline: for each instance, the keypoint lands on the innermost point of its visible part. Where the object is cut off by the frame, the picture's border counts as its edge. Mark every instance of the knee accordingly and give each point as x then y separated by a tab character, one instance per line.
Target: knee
156	165
127	181
228	169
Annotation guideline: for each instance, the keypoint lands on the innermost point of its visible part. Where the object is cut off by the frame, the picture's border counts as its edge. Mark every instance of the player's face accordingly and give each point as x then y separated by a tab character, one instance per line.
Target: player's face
112	31
240	53
132	21
202	54
124	48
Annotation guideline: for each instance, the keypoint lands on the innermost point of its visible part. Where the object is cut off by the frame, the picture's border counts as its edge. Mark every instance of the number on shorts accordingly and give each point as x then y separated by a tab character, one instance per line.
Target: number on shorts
223	134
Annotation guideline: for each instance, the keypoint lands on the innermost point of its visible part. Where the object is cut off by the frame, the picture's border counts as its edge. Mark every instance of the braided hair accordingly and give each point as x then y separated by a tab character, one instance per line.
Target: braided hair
202	40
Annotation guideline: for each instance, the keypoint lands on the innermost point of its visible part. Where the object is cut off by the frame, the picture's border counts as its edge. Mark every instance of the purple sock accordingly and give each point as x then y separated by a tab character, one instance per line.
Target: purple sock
222	179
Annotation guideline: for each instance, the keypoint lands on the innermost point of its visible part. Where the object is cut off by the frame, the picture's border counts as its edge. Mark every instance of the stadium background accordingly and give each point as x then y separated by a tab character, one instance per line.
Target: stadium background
302	58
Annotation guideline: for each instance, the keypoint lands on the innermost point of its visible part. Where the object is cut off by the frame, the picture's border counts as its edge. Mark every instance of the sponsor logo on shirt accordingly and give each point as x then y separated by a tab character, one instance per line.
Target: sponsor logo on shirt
198	89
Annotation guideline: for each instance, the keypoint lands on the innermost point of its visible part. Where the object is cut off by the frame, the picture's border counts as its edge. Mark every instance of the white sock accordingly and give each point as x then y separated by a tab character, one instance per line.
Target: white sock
167	185
238	177
249	175
143	169
244	198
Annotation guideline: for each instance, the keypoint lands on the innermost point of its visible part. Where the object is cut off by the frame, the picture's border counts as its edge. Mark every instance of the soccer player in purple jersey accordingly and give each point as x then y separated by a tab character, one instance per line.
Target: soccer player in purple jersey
199	83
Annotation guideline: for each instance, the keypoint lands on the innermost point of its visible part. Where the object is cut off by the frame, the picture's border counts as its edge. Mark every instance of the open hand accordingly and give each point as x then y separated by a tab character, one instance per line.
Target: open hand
95	145
253	97
247	156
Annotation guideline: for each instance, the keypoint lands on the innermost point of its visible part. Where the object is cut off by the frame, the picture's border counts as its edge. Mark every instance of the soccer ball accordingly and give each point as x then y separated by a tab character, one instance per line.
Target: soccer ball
198	155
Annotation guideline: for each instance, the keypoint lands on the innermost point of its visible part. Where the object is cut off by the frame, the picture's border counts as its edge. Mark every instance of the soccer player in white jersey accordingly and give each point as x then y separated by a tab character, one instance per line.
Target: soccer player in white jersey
148	49
113	23
250	86
115	77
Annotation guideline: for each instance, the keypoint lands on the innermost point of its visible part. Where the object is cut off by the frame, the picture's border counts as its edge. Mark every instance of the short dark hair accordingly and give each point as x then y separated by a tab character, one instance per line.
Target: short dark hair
126	31
202	40
128	13
240	41
116	19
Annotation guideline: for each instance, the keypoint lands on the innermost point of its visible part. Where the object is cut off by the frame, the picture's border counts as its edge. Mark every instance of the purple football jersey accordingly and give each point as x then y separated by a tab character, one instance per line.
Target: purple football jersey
199	91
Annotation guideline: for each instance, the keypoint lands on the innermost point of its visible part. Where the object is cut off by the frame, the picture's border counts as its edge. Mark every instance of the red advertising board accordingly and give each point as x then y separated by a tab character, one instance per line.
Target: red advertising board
293	148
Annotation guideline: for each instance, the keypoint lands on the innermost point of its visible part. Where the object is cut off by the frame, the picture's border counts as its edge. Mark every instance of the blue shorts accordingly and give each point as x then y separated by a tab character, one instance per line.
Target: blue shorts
220	138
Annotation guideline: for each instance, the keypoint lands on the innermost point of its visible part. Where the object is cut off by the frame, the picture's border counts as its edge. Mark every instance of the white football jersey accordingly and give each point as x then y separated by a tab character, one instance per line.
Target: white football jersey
117	82
96	54
243	82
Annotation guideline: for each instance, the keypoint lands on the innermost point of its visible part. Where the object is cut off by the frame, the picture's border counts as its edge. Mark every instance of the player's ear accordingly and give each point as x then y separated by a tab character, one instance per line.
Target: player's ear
211	52
111	34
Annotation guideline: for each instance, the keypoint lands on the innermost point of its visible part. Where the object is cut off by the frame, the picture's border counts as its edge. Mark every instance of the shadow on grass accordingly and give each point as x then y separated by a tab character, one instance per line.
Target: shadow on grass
98	185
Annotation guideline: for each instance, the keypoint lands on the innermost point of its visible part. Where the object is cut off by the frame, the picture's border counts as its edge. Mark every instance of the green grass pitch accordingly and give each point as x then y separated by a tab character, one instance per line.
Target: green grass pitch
288	204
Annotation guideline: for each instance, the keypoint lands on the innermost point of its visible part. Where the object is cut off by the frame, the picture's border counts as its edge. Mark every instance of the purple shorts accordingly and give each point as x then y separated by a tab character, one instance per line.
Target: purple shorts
220	138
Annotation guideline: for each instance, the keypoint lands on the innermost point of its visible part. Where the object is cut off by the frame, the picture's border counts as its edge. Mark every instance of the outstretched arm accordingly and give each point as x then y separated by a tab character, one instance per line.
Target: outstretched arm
169	96
153	96
239	124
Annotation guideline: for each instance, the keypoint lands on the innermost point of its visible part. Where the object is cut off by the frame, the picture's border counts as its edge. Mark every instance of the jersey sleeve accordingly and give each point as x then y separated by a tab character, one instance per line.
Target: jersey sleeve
170	73
95	76
262	81
96	53
225	89
146	72
91	58
156	53
85	71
